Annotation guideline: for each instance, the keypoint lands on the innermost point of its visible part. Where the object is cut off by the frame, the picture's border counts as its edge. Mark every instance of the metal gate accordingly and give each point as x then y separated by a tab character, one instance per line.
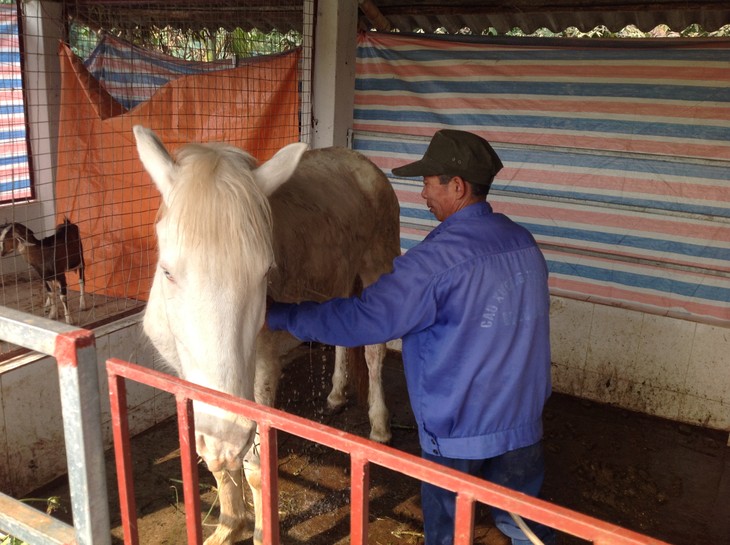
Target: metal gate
75	353
362	452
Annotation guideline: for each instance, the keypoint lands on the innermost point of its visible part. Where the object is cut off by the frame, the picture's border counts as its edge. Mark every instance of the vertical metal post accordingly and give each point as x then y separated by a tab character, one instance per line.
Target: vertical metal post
359	496
464	520
308	9
75	353
78	378
123	457
269	459
188	460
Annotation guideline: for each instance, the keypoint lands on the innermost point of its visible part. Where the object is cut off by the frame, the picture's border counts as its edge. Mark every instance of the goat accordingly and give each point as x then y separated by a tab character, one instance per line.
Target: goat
51	257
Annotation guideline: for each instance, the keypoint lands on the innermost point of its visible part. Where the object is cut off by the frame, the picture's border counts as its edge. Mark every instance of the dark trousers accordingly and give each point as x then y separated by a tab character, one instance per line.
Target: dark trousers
522	470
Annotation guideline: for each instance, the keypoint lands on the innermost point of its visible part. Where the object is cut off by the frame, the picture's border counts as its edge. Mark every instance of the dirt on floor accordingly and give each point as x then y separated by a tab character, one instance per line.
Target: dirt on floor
664	479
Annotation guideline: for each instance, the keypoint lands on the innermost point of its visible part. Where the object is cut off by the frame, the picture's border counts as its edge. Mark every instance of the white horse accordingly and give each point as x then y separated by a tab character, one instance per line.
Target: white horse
229	231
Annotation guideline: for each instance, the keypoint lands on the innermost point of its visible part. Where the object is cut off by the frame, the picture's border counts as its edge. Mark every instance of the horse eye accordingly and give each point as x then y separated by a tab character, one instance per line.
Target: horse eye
168	274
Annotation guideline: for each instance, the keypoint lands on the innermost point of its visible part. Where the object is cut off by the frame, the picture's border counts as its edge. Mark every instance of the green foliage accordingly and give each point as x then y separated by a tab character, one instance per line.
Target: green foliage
254	42
82	40
193	45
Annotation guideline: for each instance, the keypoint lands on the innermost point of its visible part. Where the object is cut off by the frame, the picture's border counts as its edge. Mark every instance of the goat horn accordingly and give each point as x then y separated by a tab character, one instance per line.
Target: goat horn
25	242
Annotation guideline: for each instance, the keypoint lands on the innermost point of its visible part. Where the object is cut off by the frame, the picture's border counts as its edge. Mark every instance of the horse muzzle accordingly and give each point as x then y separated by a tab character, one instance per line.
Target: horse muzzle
223	442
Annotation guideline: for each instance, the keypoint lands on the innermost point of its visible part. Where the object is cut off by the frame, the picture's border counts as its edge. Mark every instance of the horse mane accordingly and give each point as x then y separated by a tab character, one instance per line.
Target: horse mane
223	219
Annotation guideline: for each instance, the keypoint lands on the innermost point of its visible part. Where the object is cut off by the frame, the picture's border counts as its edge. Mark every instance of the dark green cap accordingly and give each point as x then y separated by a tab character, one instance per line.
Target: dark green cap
457	153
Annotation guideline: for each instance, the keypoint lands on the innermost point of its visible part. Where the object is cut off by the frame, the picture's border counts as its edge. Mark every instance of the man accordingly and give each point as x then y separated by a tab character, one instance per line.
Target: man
471	305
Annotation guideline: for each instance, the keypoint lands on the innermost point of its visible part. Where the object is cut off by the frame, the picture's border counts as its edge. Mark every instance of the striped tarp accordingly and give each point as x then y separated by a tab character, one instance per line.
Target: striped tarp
617	156
14	172
132	75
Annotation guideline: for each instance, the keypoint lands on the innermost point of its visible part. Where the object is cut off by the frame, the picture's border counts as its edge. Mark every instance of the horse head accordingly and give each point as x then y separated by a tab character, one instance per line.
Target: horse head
207	300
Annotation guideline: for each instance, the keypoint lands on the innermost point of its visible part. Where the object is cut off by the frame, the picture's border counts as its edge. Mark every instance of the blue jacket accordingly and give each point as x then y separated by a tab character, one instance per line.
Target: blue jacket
471	305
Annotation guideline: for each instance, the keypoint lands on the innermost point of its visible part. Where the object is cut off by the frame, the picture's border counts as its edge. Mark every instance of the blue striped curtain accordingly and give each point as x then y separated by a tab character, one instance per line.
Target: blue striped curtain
14	172
616	154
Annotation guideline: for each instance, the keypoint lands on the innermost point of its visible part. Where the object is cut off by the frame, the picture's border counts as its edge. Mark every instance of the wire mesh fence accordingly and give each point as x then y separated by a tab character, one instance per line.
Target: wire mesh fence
76	77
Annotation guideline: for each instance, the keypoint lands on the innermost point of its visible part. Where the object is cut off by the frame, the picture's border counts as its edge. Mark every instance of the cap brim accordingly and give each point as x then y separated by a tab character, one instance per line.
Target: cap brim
422	167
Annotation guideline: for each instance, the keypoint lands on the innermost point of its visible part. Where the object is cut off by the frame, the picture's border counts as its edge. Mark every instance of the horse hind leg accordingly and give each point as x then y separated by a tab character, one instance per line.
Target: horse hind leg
232	520
337	397
377	410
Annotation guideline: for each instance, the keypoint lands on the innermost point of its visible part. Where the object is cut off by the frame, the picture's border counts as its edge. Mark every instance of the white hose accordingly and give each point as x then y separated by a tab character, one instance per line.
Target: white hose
526	529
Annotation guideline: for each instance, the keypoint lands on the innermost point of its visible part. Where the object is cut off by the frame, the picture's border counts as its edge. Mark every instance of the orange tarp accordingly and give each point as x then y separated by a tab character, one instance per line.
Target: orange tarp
101	184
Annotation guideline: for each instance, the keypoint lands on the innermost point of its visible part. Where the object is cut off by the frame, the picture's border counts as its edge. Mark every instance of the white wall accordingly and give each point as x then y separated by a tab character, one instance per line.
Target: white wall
41	35
31	431
656	365
333	86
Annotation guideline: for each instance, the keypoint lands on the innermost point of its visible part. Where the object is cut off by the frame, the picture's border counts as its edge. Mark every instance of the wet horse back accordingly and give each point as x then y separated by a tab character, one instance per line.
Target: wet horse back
335	225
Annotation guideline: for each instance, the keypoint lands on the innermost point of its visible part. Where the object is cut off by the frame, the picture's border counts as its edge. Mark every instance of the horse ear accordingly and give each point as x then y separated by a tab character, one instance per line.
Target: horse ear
155	158
279	168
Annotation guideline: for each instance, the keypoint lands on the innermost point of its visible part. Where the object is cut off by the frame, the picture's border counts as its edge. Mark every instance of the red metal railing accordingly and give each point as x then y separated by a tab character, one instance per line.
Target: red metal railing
470	490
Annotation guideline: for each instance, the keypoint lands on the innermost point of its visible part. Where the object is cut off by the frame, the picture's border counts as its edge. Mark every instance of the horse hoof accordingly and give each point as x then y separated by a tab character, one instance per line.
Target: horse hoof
225	536
332	410
382	437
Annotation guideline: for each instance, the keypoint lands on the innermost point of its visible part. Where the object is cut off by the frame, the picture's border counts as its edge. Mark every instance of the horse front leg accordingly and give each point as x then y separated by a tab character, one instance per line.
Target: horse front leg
269	346
377	410
232	520
252	469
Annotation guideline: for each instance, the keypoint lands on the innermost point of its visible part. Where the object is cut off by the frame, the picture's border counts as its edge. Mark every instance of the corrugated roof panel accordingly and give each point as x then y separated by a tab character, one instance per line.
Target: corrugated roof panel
413	15
555	15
